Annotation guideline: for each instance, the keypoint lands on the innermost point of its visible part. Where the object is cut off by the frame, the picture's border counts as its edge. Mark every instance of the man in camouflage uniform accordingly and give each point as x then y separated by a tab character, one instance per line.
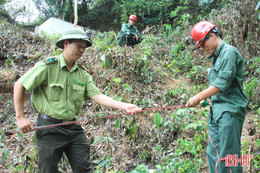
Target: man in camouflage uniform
59	86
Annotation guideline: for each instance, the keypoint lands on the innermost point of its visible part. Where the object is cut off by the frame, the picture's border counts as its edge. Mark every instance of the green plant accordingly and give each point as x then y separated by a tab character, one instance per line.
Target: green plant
8	61
195	74
252	91
178	164
103	164
256	157
132	134
196	89
144	155
189	146
107	88
127	88
107	140
106	63
102	139
246	148
53	37
172	96
117	124
140	169
119	98
105	41
5	154
158	120
116	80
180	59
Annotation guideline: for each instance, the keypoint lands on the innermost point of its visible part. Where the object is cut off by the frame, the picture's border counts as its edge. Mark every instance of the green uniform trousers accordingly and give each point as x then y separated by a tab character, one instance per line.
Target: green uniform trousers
53	142
226	136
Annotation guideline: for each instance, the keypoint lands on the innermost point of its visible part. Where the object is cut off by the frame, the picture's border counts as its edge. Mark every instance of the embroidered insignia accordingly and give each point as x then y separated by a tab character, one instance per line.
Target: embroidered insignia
78	83
50	60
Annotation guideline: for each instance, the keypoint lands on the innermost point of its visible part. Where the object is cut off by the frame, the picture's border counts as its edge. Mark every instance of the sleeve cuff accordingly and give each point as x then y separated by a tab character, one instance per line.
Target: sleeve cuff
94	93
221	84
223	81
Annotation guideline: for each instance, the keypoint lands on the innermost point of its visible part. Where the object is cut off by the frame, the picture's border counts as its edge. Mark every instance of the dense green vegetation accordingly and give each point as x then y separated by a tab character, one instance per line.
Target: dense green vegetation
164	70
105	15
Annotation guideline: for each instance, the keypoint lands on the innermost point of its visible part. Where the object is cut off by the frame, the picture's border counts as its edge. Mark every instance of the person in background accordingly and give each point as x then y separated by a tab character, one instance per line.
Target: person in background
59	86
228	102
129	35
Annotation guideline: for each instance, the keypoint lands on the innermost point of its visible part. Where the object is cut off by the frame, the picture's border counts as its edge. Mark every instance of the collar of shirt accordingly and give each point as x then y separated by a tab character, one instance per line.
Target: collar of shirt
129	26
214	57
63	63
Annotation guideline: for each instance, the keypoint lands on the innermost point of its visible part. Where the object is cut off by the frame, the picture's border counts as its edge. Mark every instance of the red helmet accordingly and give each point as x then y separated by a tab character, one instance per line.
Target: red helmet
200	31
133	17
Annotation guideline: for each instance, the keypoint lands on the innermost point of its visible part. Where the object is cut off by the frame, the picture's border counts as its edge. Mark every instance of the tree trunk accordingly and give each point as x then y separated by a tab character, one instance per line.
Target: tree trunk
75	13
246	21
63	12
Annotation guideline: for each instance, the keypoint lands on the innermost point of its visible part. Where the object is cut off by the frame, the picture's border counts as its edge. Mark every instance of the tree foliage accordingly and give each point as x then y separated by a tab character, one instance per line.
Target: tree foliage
64	9
108	14
51	8
105	15
4	13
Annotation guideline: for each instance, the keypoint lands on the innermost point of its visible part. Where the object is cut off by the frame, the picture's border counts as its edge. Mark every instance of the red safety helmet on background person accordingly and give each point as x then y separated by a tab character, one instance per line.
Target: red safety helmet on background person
200	30
133	17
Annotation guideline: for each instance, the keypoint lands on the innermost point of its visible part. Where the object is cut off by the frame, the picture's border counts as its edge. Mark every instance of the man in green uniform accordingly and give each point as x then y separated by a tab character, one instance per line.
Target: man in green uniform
228	102
59	86
129	34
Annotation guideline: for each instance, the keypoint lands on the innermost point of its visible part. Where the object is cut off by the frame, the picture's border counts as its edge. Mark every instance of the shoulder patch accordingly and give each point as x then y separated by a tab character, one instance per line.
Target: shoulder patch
50	60
81	66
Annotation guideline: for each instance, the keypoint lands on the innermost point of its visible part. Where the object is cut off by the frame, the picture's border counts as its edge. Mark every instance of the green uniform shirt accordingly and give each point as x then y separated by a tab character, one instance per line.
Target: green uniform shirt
227	75
128	29
57	92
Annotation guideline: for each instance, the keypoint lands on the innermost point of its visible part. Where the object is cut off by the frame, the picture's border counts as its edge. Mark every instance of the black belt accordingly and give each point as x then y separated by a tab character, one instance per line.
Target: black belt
46	117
